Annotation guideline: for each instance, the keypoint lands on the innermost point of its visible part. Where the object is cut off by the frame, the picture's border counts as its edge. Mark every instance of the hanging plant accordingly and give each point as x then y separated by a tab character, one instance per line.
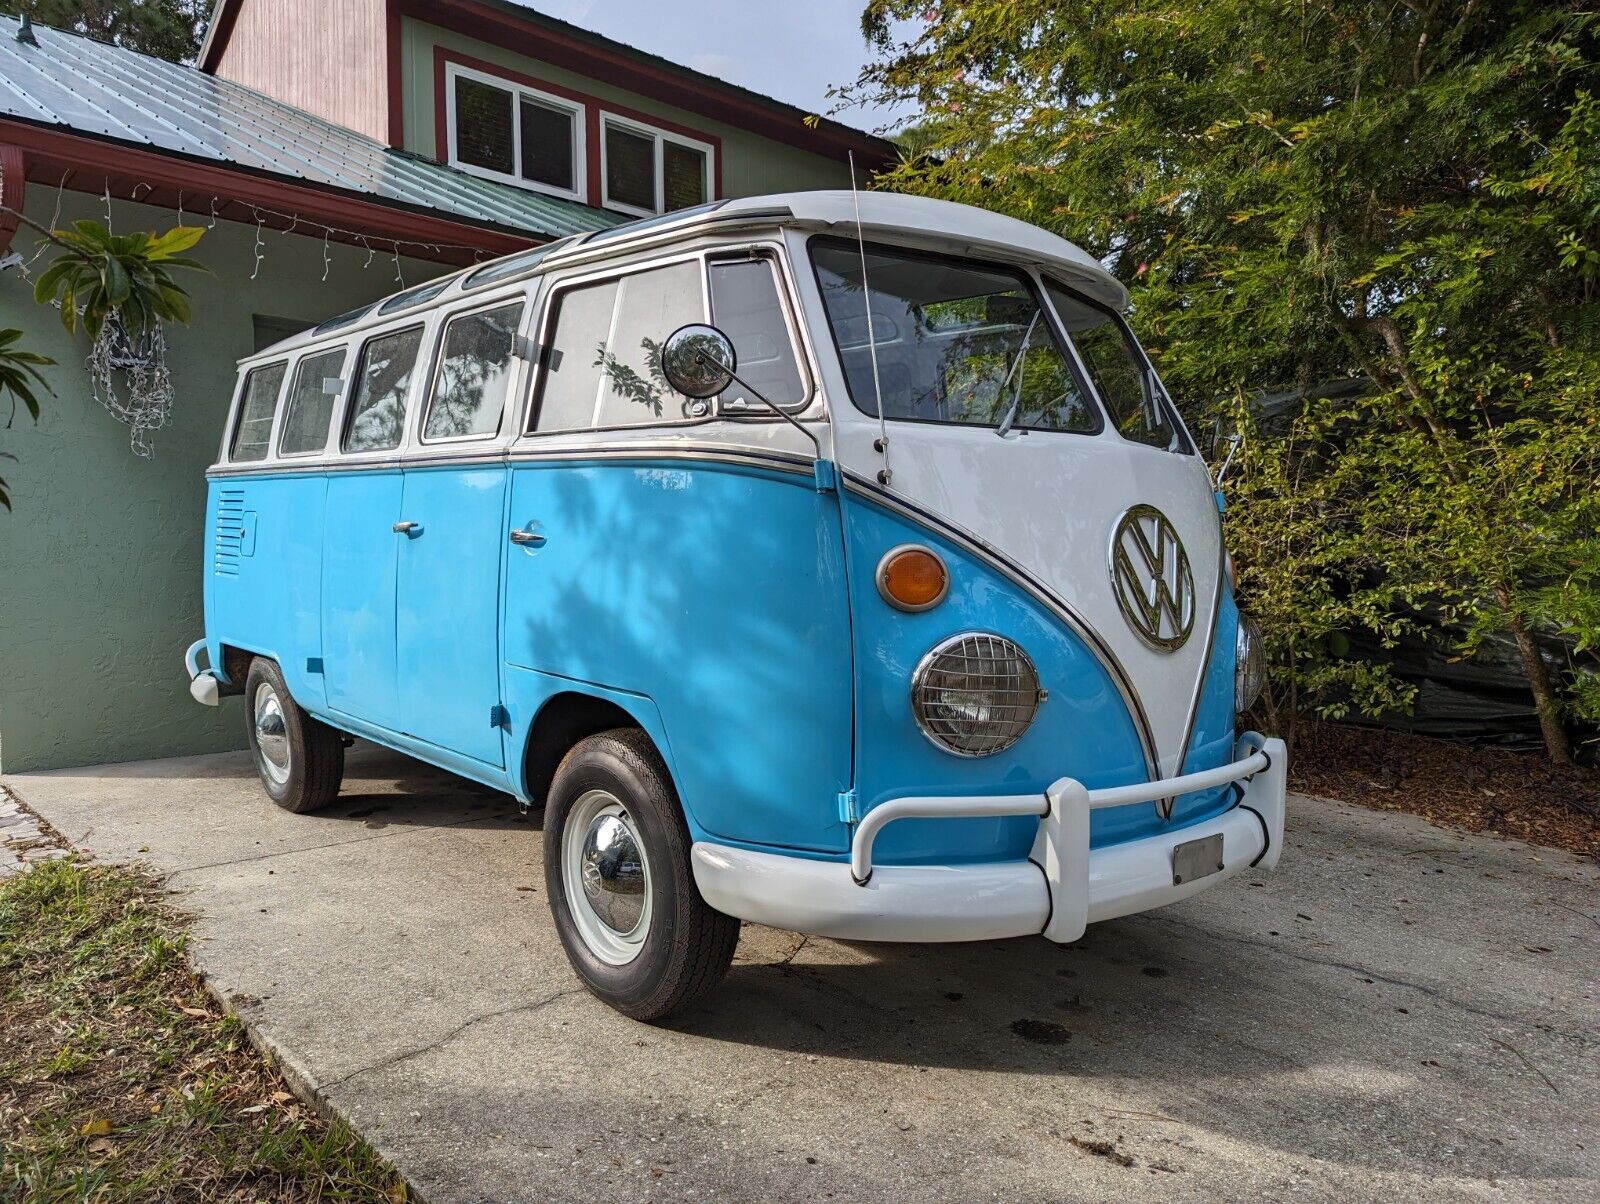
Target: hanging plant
102	273
121	288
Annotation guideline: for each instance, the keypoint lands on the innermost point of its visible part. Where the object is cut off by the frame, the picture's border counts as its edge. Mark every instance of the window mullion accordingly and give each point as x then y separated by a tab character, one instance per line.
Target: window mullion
516	133
661	174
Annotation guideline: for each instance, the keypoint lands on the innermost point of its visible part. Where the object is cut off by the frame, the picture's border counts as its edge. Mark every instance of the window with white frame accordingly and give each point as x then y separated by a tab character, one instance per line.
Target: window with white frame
645	170
510	132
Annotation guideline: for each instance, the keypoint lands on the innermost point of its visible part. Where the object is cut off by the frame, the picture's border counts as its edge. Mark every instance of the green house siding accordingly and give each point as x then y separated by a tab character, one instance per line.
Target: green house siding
751	164
100	561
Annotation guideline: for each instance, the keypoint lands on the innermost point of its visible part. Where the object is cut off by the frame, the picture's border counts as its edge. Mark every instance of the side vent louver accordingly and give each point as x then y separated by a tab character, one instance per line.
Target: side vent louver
229	535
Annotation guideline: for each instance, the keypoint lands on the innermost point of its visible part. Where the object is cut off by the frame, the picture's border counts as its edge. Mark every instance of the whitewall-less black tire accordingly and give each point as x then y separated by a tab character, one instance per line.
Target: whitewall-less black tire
300	759
617	874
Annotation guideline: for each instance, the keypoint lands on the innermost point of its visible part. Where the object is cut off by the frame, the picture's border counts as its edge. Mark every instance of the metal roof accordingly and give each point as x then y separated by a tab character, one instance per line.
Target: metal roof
72	82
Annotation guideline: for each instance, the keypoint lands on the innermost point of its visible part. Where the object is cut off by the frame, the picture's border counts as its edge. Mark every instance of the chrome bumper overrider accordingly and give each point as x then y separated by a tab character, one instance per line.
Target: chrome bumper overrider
1063	886
203	684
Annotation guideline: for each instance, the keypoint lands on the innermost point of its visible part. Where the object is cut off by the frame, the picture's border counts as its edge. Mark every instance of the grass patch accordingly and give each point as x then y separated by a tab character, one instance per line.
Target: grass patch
121	1079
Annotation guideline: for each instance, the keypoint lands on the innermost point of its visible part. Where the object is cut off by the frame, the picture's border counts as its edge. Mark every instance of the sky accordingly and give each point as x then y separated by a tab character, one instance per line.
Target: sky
793	51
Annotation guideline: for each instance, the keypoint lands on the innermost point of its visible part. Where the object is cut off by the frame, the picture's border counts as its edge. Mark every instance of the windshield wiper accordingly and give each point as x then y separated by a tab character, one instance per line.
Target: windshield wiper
1003	427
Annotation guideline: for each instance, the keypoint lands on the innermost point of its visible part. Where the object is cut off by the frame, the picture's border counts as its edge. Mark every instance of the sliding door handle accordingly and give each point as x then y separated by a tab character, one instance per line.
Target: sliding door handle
408	528
528	539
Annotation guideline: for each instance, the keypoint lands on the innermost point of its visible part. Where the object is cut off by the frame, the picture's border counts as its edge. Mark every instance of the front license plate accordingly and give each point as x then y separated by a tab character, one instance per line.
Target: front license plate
1196	858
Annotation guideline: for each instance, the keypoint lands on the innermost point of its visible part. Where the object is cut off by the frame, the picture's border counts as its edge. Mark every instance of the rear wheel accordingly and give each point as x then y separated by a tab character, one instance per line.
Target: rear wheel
300	759
616	864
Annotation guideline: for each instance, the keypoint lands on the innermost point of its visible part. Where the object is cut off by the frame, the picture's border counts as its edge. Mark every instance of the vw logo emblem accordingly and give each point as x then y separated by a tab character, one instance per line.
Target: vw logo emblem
1151	577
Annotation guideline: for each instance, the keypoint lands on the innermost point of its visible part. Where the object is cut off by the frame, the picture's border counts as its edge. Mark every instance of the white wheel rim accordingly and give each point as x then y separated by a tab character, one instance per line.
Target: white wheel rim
605	874
272	735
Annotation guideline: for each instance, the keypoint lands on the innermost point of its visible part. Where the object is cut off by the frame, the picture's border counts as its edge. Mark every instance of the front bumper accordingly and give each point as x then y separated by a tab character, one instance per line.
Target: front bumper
1059	890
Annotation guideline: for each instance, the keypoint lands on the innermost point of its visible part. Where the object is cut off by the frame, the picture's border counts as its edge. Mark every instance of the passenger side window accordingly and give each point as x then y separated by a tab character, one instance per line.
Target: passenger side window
253	434
383	383
316	387
1118	372
469	389
745	304
602	369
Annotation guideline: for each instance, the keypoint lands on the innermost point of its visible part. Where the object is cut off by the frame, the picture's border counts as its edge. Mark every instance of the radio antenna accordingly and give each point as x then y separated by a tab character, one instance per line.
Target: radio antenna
882	443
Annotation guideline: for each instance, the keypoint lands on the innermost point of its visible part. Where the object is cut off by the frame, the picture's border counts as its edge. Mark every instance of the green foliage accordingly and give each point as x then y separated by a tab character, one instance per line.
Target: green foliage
19	377
99	272
1404	195
168	29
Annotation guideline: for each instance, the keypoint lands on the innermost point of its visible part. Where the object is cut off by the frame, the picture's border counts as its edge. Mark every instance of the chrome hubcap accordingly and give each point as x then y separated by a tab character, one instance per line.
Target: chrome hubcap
606	876
272	734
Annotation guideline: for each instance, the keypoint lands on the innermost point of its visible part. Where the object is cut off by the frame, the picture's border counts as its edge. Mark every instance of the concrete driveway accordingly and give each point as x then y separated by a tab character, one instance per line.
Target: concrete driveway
1400	1012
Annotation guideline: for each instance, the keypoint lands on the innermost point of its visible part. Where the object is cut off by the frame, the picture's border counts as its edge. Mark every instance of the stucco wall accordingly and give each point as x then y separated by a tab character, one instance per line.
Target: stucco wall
751	165
100	561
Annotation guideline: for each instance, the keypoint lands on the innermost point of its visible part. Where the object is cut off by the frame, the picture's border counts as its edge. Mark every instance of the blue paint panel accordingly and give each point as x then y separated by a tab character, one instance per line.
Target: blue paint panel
717	591
1211	743
1083	730
527	692
448	606
358	595
268	602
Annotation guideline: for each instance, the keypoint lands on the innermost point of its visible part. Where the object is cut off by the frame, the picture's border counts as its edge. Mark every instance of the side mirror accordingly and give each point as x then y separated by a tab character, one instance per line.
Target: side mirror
698	361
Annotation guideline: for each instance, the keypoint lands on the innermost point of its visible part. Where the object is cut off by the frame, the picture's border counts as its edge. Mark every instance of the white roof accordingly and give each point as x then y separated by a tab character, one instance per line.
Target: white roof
965	229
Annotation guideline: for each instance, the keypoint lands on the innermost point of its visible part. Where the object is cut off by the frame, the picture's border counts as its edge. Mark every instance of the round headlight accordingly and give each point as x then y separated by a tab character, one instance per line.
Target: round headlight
975	694
1249	665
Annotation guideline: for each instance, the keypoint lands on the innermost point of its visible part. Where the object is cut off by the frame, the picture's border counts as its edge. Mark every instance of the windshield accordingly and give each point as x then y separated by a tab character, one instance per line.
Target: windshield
1129	391
955	341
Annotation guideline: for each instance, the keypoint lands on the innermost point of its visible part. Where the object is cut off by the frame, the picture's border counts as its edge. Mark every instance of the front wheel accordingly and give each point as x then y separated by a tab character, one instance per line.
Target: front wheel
300	760
616	868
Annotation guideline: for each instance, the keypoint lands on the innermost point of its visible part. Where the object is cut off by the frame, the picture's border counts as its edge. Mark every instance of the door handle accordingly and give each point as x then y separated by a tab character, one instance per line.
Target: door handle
408	528
528	539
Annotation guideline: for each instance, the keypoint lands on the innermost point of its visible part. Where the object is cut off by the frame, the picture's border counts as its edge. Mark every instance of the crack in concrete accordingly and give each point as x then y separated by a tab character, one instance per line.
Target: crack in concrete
409	830
1429	992
440	1042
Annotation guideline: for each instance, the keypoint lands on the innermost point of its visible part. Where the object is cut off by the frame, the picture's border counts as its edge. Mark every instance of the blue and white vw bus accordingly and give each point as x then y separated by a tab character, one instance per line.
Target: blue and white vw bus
834	563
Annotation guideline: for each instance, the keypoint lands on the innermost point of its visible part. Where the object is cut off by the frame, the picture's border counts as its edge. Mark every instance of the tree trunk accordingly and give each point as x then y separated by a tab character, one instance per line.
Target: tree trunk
1556	746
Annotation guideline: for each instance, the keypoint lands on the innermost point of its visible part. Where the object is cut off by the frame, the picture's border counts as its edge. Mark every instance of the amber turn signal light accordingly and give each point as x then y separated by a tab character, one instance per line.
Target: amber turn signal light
912	578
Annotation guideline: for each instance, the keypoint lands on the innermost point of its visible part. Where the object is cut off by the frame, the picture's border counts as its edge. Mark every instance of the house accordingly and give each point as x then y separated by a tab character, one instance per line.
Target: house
334	152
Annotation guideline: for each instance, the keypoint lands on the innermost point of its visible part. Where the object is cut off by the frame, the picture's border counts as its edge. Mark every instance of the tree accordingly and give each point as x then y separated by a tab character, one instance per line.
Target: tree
1309	191
168	29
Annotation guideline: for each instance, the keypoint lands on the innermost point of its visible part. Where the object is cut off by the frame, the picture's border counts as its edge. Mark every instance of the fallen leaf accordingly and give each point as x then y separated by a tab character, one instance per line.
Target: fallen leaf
200	1012
98	1127
102	1145
281	1097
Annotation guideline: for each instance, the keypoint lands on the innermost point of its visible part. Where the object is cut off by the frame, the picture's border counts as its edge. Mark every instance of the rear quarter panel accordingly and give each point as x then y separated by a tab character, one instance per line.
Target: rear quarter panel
264	573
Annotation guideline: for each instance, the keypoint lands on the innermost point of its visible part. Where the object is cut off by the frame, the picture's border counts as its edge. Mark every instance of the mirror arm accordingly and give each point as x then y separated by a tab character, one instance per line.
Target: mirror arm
1234	440
816	443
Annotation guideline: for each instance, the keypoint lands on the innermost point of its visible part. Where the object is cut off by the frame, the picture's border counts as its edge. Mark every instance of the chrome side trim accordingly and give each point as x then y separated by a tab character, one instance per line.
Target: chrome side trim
777	461
789	462
1040	592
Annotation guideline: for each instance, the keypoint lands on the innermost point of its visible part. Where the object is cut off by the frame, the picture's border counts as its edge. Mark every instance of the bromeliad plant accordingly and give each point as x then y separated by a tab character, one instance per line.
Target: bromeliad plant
130	275
121	288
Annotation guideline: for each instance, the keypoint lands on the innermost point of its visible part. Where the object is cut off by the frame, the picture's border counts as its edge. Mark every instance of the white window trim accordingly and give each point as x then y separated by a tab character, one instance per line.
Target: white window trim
660	136
580	159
